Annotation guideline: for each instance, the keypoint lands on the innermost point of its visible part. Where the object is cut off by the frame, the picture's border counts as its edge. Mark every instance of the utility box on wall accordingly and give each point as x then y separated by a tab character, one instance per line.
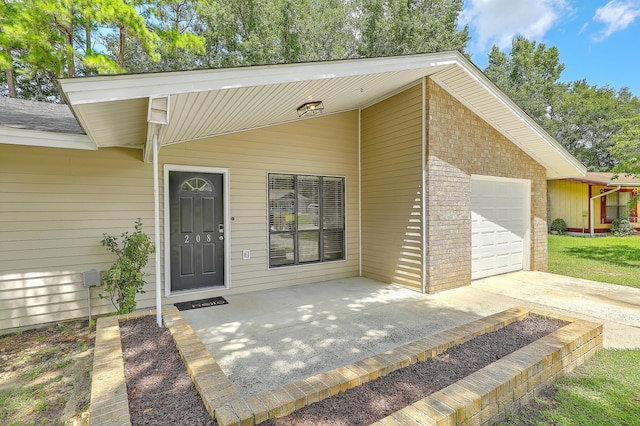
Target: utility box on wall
91	278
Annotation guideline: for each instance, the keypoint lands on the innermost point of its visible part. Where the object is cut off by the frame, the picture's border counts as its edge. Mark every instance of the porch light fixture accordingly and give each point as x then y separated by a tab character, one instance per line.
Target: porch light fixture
310	108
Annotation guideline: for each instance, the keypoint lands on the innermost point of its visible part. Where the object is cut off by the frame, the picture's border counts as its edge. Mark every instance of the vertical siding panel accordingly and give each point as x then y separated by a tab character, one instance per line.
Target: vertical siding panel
391	189
567	200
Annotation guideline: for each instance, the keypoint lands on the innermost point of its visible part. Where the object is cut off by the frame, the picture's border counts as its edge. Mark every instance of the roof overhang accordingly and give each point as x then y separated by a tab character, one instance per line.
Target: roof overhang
612	183
113	110
10	135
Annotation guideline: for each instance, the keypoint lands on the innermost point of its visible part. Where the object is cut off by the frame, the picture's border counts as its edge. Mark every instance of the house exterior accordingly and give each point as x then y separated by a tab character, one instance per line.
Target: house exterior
417	171
591	203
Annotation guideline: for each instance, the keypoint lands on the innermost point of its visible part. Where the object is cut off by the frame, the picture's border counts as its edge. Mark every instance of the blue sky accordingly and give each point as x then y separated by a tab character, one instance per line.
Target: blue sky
598	40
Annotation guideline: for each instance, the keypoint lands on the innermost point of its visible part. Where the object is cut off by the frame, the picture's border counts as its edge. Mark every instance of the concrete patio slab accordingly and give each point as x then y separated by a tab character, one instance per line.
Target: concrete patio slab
267	339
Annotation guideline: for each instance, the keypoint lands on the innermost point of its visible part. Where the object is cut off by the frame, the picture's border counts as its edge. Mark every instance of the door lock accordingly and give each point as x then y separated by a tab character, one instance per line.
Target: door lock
221	228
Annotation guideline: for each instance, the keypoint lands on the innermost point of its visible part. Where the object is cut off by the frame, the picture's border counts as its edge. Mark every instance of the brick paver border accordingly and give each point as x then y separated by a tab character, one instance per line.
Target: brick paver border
109	403
484	397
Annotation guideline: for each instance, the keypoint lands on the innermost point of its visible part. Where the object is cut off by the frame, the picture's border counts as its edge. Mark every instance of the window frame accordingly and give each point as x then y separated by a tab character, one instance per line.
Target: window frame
321	231
604	218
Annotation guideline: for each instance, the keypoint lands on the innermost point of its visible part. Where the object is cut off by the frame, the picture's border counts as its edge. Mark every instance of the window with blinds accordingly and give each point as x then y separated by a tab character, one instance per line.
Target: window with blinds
306	219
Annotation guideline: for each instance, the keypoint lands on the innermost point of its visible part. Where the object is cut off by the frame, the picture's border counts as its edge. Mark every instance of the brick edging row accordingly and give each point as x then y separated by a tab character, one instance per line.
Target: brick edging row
485	396
109	405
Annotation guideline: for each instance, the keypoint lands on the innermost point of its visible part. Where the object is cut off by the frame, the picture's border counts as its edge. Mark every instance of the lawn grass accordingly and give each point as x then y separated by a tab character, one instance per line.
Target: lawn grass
614	260
45	374
604	391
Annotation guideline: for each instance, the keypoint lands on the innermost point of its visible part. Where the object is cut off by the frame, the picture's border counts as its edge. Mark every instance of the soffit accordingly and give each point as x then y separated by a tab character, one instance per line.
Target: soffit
113	109
481	96
204	110
607	179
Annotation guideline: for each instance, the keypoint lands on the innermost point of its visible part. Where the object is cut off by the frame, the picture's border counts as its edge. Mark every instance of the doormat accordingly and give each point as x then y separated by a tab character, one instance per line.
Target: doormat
202	303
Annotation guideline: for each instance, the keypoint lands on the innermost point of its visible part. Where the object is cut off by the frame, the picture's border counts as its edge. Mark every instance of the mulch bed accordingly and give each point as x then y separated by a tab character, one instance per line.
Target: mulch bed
160	391
159	387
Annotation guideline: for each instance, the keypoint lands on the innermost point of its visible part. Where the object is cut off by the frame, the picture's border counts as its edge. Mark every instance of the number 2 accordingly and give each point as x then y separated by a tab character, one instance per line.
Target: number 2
186	239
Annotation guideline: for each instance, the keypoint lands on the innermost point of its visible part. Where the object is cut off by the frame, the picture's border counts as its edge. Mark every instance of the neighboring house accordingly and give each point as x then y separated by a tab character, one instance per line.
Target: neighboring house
591	203
418	171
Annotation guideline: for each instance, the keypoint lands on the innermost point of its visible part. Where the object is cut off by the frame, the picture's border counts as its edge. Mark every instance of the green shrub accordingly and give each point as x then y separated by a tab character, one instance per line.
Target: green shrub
559	225
125	278
622	228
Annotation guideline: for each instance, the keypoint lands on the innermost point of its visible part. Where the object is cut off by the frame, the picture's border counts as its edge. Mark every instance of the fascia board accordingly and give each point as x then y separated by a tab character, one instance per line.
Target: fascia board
13	136
120	87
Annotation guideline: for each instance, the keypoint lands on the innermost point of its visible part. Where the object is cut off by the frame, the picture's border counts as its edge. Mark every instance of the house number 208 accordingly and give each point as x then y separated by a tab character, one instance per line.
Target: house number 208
186	238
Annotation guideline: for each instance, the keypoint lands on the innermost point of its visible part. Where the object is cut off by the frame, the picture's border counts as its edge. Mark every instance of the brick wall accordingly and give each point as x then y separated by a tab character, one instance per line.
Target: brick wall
461	144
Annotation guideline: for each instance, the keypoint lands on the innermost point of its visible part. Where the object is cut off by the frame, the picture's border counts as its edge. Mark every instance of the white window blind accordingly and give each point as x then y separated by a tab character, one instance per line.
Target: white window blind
306	219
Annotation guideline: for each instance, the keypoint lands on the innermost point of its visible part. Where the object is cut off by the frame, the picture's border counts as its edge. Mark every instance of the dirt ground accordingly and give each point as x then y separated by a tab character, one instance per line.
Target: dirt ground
45	374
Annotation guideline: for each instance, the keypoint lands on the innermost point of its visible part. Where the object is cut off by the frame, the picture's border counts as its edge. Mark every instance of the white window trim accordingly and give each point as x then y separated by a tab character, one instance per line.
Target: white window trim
225	172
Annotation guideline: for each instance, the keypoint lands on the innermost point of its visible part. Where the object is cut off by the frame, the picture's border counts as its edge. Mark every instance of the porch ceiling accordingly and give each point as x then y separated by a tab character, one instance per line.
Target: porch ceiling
203	103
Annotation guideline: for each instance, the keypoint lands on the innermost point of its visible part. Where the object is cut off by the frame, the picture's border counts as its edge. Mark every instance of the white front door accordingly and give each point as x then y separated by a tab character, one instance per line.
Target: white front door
500	225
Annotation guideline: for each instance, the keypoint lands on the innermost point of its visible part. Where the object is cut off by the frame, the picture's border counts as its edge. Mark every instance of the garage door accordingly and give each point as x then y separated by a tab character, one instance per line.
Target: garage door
500	214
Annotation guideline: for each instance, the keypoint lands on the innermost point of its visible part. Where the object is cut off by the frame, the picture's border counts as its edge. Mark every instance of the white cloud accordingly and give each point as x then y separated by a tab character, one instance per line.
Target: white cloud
616	16
499	21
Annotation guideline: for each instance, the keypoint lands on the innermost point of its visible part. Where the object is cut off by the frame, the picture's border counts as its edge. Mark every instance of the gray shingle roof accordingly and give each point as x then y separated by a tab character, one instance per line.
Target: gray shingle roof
33	115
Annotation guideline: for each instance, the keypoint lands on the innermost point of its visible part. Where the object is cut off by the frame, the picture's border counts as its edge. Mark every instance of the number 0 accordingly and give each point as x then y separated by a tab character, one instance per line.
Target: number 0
198	238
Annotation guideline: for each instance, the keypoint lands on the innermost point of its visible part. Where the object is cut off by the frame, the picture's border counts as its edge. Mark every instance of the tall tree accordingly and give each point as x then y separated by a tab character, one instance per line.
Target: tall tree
585	119
41	40
79	37
397	27
173	22
10	41
120	19
529	74
27	54
625	146
237	32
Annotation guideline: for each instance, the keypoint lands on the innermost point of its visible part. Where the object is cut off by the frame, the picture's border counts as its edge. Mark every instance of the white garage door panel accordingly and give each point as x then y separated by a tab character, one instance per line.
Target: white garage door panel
498	226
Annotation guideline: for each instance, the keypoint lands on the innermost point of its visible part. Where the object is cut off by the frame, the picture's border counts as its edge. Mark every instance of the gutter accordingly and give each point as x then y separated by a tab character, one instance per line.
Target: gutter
591	207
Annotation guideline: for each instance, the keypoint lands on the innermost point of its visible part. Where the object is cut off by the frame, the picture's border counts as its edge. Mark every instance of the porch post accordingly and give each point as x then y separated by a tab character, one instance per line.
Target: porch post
156	218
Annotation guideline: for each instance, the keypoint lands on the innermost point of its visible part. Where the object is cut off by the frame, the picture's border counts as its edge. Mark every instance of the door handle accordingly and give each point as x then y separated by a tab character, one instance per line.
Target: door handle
221	238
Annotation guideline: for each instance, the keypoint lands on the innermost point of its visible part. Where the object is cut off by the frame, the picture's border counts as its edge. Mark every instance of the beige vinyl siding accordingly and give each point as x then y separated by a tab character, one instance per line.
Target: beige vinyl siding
567	200
391	155
54	206
322	146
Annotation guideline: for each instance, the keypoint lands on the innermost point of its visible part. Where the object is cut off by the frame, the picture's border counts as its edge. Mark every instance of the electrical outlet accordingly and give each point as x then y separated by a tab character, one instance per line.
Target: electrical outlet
246	254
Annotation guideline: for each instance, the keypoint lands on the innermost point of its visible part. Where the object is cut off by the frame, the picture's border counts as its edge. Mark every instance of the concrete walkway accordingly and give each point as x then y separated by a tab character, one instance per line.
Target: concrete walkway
263	340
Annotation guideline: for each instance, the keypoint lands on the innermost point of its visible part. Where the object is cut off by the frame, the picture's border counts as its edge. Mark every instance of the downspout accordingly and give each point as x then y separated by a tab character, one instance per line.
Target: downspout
156	217
424	185
360	189
592	219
